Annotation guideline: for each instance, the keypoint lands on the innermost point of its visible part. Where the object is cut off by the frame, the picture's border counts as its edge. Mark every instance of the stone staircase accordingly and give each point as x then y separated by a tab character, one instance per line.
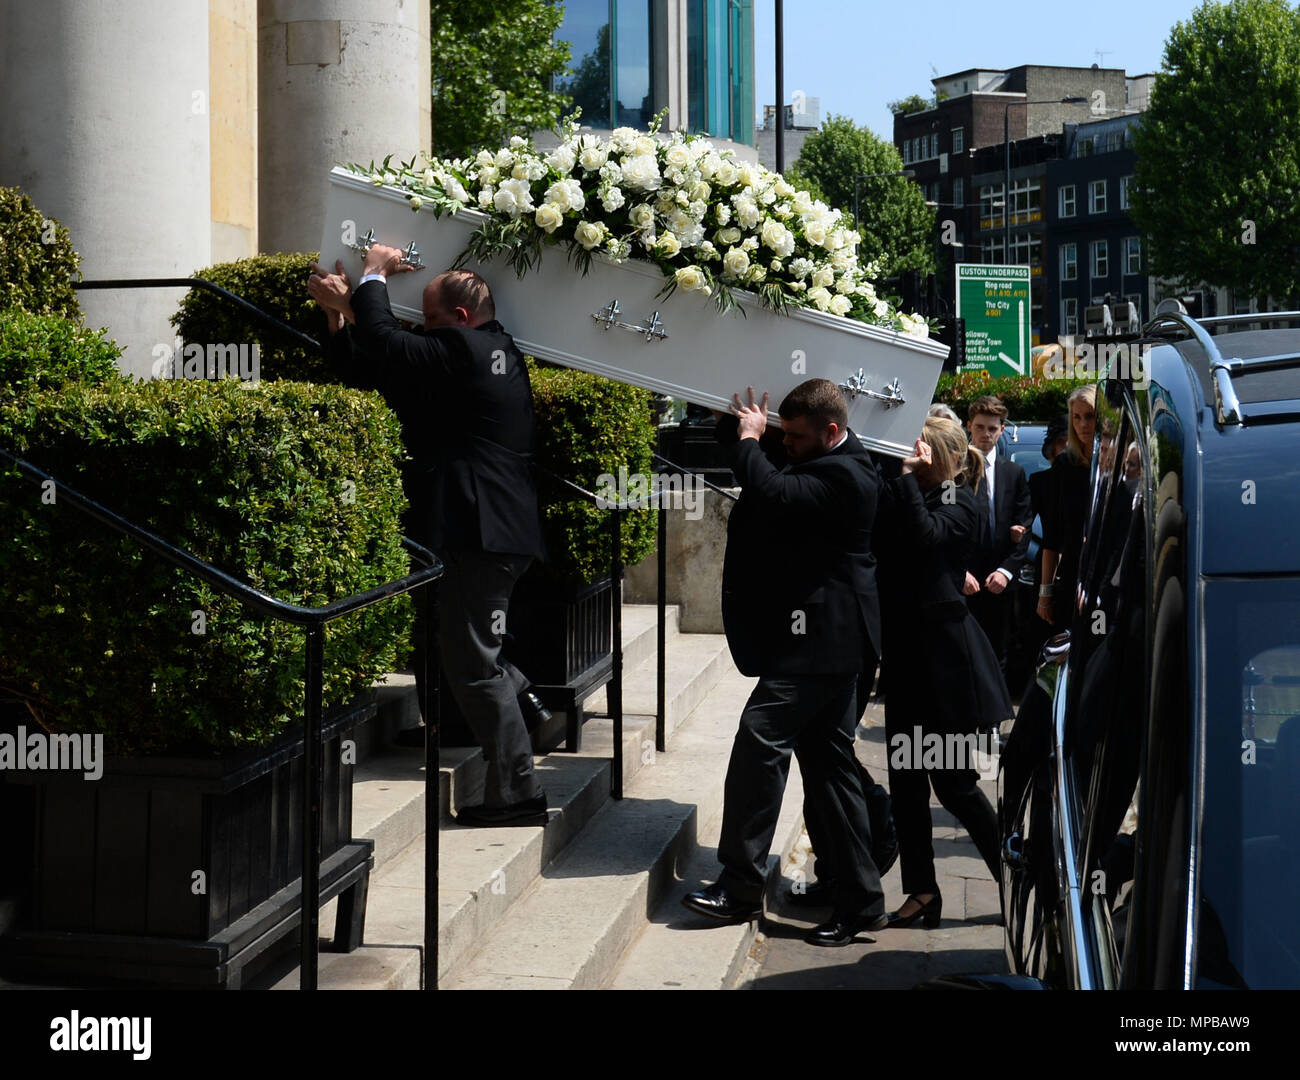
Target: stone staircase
593	898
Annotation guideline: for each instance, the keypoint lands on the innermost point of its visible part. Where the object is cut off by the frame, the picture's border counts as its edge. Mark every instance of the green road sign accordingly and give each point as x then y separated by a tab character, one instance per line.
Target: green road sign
994	301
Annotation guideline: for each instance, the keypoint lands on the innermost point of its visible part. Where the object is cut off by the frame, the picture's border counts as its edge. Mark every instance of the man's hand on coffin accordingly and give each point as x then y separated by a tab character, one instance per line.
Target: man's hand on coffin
333	292
753	417
386	261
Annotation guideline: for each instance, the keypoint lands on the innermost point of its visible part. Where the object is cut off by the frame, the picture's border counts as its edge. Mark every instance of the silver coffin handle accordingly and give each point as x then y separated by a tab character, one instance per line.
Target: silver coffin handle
609	316
410	255
856	385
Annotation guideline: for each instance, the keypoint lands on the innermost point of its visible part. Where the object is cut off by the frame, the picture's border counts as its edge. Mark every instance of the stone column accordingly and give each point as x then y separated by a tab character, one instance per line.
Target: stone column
105	126
338	81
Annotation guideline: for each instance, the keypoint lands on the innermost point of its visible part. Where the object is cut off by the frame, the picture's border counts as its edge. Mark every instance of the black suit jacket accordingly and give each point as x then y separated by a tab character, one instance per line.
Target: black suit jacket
925	541
466	409
996	550
799	576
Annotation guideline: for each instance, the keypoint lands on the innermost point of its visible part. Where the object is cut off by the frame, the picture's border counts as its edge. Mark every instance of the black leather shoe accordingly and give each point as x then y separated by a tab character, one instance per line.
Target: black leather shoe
715	902
842	929
534	710
928	913
530	812
818	894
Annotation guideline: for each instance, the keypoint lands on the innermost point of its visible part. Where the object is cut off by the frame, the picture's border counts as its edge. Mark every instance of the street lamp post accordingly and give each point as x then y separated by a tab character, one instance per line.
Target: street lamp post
870	176
1006	142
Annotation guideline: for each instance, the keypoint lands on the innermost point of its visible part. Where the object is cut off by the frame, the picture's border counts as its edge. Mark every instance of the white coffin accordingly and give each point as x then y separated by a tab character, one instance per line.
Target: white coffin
705	357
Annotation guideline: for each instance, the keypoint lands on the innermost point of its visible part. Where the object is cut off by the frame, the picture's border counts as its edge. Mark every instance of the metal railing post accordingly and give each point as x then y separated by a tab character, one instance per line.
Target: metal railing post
313	786
661	635
616	642
432	784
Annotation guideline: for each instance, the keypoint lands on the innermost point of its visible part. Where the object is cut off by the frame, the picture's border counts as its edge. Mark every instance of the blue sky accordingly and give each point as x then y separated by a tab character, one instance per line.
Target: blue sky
856	56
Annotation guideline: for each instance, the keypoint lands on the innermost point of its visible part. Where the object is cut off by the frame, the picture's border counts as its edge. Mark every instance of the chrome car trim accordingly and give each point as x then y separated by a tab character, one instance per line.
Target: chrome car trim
1083	976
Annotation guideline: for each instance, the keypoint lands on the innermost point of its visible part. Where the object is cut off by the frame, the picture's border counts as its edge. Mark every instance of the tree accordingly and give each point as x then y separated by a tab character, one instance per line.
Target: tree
910	104
896	226
493	62
1218	151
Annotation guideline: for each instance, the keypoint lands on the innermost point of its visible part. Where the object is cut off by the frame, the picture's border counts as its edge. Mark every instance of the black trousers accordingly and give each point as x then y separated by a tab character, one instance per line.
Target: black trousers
991	612
957	791
813	717
473	601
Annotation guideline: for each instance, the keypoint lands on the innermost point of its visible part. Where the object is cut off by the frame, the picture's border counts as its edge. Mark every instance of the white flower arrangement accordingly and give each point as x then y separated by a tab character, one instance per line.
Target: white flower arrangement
711	223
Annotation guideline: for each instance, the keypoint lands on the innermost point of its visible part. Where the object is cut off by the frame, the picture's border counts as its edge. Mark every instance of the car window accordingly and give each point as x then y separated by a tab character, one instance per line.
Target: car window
1247	932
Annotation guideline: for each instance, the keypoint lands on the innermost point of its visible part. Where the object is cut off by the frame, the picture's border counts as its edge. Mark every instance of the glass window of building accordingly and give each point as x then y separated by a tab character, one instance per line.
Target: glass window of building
634	103
1070	315
990	202
1097	197
1124	183
958	140
1065	200
993	250
1100	258
720	67
586	27
907	151
1132	255
1069	262
959	191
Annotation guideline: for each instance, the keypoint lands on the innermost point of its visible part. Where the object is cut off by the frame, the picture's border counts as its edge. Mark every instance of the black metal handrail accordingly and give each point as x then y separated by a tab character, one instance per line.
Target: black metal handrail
314	620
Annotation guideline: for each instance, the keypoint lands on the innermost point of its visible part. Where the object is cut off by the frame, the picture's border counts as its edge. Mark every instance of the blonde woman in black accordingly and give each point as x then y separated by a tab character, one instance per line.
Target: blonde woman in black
940	674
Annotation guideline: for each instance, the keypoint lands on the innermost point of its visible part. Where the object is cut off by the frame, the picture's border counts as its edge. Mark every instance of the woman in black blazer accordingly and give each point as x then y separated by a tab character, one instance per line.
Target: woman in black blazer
940	674
1064	513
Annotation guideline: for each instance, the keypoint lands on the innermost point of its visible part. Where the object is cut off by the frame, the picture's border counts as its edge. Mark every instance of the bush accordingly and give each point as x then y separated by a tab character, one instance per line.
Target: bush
586	426
291	487
37	261
42	352
1028	398
278	285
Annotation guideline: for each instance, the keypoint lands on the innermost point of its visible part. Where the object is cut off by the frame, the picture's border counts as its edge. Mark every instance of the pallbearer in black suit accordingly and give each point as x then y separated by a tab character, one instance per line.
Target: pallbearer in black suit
462	394
800	611
1002	542
939	673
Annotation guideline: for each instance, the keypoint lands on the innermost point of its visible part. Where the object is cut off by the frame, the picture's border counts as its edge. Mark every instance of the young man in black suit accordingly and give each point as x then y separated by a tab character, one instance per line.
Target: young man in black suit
800	610
1002	542
462	394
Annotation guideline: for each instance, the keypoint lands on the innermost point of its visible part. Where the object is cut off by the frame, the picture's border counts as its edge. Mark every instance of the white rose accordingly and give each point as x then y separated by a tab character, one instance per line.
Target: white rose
415	201
561	159
748	175
589	233
767	197
513	198
484	158
592	153
488	174
455	189
707	250
881	308
819	298
728	236
504	159
776	266
726	174
642	216
823	277
802	202
736	262
845	286
678	156
485	199
611	199
641	173
783	189
690	278
624	137
700	192
723	213
747	211
517	141
801	268
428	177
815	232
756	276
668	245
841	259
841	305
778	238
549	217
566	194
643	144
709	165
680	221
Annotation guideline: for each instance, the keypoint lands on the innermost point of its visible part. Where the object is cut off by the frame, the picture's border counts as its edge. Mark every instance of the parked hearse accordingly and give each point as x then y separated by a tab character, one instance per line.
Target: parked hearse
1149	790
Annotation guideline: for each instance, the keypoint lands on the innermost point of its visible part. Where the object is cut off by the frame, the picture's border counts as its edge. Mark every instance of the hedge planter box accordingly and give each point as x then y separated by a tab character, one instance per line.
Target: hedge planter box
116	891
691	352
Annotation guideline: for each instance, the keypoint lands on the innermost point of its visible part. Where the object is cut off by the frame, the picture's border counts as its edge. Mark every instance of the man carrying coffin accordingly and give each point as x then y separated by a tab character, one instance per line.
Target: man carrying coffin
800	610
462	394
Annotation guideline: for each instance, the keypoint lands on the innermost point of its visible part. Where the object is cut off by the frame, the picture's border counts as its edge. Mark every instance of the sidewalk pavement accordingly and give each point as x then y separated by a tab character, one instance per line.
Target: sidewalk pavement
969	939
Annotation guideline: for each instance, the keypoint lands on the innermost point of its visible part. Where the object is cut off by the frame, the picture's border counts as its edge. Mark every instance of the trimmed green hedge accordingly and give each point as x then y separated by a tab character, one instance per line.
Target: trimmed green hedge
1028	398
586	426
278	285
37	260
43	352
294	488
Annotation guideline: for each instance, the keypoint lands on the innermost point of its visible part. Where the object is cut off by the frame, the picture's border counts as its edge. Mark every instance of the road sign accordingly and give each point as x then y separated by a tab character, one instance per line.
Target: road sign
994	301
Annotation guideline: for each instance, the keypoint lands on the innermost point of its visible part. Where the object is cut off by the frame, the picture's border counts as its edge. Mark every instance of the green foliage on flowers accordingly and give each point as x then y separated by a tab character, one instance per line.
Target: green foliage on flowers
896	226
711	223
493	61
588	426
1028	398
37	260
43	352
278	285
1218	151
293	488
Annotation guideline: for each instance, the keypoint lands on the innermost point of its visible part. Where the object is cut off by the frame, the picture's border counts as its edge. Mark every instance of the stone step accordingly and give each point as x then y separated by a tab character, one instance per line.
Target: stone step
571	929
639	632
376	968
